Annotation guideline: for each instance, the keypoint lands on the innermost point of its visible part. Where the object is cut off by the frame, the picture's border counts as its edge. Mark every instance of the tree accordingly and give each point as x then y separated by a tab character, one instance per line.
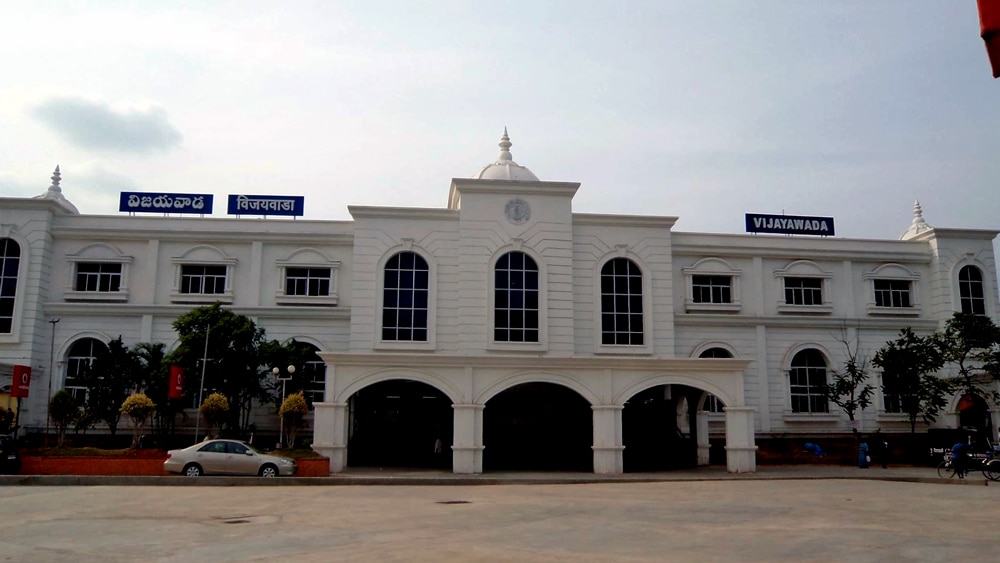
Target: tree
155	382
849	389
293	412
908	367
109	380
138	407
970	343
64	411
215	410
6	420
237	365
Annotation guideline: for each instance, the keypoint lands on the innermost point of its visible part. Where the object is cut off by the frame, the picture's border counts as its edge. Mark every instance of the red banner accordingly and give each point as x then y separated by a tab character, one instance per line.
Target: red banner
989	28
20	381
176	382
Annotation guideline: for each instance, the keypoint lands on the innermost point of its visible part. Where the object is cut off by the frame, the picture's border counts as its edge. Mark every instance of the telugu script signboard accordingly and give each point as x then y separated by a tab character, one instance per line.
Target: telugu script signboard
139	202
789	224
292	205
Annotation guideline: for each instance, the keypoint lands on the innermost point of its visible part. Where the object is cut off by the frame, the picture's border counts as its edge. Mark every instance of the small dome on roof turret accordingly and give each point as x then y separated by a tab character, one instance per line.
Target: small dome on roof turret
55	193
505	168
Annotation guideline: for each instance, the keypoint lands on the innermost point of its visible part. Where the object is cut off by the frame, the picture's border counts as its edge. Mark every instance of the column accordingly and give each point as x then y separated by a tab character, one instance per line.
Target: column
467	441
608	439
330	433
741	450
701	432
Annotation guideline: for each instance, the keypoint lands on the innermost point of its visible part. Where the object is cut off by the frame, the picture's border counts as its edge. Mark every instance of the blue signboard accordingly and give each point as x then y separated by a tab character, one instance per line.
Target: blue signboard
789	224
293	205
139	202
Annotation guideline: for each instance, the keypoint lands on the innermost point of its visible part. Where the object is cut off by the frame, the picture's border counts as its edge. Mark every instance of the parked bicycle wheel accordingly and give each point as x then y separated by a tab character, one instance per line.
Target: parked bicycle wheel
992	470
946	470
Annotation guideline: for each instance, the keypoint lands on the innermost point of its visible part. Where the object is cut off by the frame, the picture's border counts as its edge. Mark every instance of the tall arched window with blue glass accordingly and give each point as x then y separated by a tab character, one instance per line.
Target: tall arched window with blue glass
405	294
515	298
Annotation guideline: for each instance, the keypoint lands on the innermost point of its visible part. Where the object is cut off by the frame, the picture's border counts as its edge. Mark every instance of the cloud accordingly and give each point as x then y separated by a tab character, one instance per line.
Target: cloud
96	126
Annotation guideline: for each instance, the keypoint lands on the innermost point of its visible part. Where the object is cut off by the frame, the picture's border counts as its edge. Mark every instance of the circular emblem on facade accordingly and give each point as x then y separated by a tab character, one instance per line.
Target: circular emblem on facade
517	211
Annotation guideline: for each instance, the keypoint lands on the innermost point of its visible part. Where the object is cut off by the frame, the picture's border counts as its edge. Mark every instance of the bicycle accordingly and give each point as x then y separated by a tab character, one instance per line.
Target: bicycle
989	465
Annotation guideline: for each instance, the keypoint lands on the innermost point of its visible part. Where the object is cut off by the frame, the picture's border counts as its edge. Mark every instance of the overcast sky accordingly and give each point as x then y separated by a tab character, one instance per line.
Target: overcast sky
703	110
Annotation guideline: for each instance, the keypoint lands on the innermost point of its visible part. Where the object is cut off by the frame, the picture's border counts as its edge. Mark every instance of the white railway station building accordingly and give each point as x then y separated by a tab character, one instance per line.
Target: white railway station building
502	330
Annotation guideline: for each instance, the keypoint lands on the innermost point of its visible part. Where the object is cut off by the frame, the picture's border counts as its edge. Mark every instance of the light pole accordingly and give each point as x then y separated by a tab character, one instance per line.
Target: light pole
52	374
281	419
201	386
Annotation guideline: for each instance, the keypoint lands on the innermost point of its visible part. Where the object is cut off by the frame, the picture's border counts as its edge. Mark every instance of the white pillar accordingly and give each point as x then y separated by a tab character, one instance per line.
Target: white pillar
741	450
701	431
330	434
467	440
608	439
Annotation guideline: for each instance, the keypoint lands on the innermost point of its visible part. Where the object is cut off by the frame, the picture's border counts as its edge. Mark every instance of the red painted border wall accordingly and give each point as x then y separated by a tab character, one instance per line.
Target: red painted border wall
52	465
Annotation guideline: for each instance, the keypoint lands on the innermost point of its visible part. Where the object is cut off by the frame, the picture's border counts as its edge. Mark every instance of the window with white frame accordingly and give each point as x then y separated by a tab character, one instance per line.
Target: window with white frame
308	278
81	356
98	277
806	381
307	282
203	279
405	298
621	303
712	403
10	260
712	287
970	291
803	291
894	291
515	298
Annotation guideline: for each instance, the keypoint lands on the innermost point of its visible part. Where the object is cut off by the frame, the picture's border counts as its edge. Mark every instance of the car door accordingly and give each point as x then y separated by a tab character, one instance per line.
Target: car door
212	458
242	460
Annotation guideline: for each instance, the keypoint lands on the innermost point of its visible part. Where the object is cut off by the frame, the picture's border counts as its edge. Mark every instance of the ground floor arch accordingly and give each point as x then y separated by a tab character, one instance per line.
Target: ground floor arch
399	423
538	426
660	429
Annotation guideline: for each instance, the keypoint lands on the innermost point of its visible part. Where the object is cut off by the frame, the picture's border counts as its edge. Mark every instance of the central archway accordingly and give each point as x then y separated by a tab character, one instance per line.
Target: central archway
400	423
538	427
659	429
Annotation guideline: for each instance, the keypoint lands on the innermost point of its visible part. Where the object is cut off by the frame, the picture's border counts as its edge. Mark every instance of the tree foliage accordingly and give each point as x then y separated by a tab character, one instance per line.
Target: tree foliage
112	376
215	410
293	412
137	407
237	365
63	410
970	343
155	384
850	389
909	365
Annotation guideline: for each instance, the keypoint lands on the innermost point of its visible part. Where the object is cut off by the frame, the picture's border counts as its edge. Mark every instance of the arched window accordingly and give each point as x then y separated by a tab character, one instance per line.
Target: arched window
515	293
81	355
806	379
314	380
621	303
712	403
970	290
10	259
405	294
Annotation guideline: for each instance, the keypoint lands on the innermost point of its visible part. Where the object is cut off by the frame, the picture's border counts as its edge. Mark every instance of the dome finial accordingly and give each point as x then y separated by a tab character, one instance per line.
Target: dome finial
918	225
505	145
56	178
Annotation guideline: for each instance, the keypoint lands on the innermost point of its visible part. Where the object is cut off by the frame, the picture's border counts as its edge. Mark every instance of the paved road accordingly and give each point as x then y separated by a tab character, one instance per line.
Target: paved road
711	520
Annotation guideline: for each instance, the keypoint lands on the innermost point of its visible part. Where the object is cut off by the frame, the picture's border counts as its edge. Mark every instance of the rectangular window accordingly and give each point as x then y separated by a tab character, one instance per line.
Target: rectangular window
203	280
803	291
892	293
98	277
712	289
307	282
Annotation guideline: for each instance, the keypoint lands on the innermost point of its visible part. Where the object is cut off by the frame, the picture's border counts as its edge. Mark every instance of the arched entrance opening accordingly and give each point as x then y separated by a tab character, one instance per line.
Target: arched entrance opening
659	429
538	427
399	423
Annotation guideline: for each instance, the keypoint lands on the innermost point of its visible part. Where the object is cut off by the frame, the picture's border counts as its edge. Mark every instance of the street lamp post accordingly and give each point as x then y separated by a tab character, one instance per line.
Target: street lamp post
201	386
281	419
52	374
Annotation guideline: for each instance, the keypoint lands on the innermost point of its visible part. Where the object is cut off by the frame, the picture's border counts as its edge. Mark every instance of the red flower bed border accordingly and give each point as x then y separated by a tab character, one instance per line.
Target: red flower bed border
147	466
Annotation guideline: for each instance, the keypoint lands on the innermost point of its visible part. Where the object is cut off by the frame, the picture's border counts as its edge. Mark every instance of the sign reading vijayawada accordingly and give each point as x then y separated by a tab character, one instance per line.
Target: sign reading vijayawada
789	224
293	205
140	202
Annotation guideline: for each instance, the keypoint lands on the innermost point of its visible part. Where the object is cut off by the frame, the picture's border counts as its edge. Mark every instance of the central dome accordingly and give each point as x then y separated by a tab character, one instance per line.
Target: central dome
505	168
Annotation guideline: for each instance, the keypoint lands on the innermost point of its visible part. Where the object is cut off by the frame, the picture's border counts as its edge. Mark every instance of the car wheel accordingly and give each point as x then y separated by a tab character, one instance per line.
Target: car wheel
268	471
192	470
992	470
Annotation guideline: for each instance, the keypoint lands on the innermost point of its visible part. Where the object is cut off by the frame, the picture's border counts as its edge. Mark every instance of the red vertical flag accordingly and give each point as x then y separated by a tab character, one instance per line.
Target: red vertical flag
176	382
21	381
989	26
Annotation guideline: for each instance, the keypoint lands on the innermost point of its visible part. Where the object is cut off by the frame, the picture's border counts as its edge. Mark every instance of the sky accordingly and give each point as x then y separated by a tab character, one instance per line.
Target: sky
703	110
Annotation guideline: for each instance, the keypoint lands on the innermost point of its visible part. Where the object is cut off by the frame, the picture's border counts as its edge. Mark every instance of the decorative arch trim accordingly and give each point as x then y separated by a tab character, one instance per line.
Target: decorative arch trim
389	374
516	379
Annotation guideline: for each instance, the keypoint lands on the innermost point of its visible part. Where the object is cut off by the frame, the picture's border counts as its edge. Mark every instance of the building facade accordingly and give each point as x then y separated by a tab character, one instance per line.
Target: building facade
503	330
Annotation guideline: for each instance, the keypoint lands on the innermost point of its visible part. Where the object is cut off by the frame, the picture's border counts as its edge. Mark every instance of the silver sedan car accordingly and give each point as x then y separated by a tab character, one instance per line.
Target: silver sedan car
226	457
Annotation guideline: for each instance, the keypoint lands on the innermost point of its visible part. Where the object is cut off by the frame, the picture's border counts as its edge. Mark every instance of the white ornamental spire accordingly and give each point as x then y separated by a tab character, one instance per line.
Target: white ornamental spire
505	145
918	225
